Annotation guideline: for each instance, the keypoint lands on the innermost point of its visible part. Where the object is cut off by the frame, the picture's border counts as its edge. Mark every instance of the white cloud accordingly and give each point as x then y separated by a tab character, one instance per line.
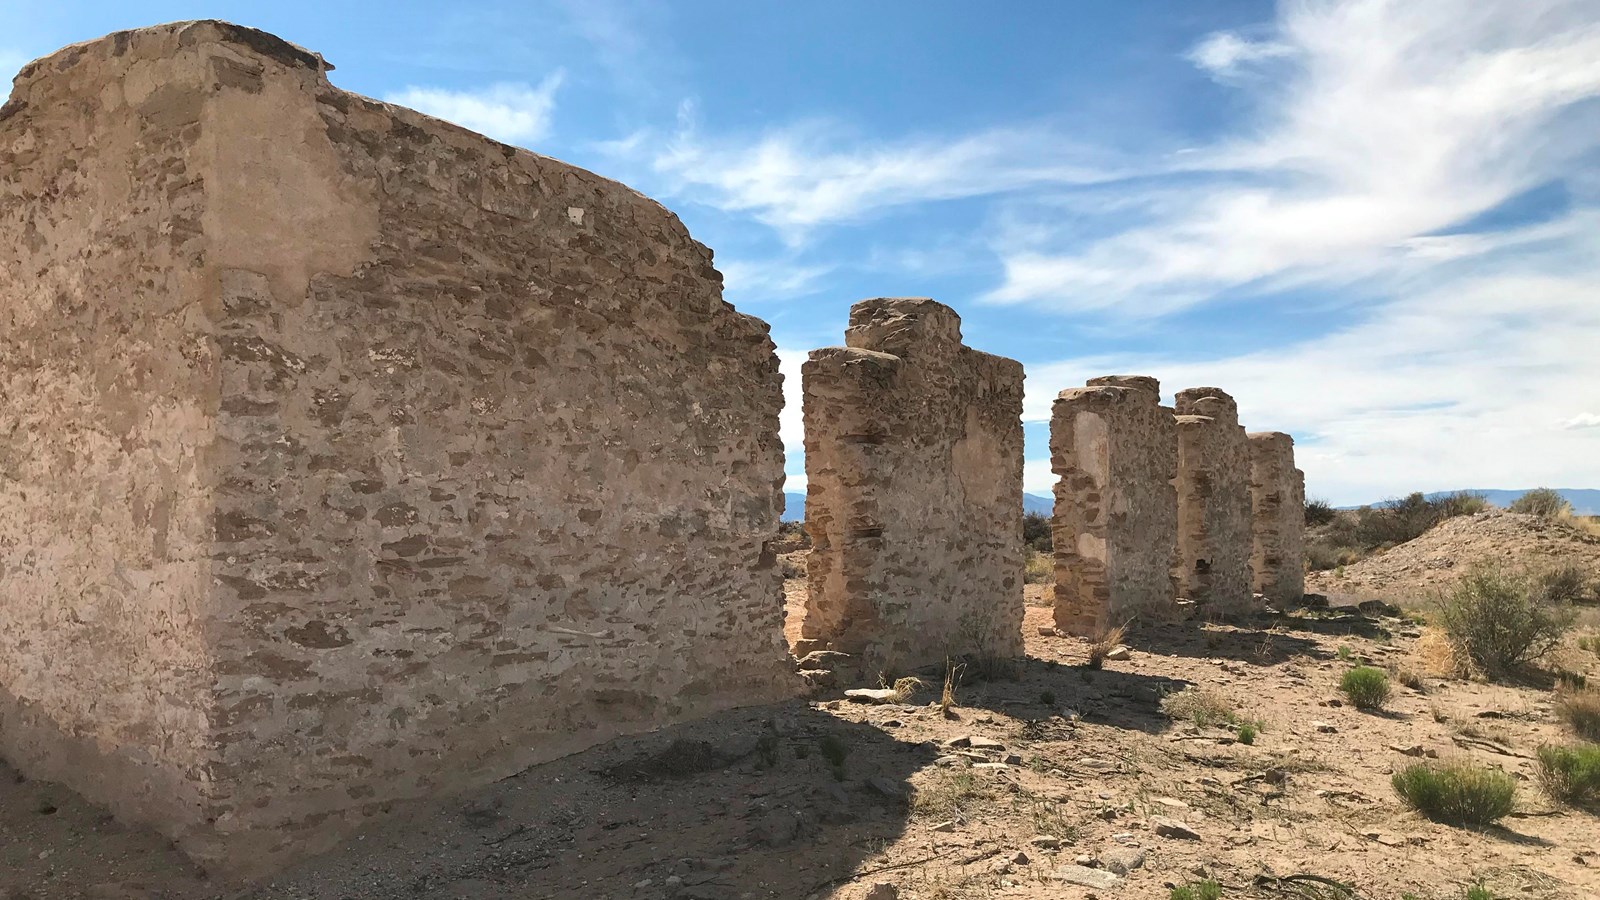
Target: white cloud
1457	386
516	113
752	280
1225	54
791	424
805	176
1390	122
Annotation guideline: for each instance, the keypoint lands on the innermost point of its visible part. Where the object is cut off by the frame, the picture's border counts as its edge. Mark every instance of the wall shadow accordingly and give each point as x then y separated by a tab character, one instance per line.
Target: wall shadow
773	801
1043	690
1246	643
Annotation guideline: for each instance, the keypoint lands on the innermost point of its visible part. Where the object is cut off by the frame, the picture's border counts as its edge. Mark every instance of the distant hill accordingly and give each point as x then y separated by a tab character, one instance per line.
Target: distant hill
1585	501
794	505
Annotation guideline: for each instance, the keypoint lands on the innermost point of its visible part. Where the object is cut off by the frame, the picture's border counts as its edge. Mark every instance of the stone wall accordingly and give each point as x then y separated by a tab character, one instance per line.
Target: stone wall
1277	500
349	456
1115	450
914	492
1214	520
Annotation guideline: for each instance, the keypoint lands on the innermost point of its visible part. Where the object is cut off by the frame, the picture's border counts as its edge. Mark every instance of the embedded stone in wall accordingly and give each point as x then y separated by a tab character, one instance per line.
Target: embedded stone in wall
1277	499
1214	521
1115	450
352	456
914	492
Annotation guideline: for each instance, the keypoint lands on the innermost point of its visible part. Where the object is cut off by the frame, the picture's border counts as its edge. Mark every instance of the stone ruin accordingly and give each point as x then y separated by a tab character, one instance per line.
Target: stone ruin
352	456
1277	500
1115	528
1214	515
914	492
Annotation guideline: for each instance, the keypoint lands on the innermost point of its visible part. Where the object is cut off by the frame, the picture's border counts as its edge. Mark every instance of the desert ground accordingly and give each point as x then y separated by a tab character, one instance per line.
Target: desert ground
1052	769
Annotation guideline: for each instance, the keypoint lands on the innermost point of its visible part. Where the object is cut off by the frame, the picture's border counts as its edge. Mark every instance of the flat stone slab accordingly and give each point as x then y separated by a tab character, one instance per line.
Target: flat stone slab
1090	878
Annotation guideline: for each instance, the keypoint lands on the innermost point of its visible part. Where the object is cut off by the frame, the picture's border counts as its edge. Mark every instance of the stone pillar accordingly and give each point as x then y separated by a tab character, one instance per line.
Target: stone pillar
914	496
1214	521
1115	448
1278	500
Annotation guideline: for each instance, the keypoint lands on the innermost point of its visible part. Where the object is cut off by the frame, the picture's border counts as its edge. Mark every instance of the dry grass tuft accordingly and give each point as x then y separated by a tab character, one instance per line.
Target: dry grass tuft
1581	710
1201	707
952	677
1102	645
904	688
1439	656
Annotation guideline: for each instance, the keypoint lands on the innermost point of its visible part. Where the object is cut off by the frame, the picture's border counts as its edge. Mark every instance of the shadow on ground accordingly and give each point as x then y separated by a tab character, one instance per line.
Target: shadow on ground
1251	643
1038	689
770	802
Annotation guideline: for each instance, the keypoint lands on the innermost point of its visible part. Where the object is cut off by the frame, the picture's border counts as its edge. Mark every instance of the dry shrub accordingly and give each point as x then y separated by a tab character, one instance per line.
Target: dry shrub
1456	792
1570	774
1199	706
1039	569
1542	502
1502	618
904	688
1102	645
1581	710
1438	655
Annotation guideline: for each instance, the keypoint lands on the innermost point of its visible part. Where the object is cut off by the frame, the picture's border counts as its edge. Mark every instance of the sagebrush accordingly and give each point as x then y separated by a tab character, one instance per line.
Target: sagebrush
1501	618
1458	792
1545	503
1570	774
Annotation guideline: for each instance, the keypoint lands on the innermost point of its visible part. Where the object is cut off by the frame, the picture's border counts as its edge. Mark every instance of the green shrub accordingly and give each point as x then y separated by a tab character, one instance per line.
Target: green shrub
1570	774
1036	531
1040	568
1197	890
1478	891
1542	502
1366	687
1247	734
1319	512
1500	618
1456	793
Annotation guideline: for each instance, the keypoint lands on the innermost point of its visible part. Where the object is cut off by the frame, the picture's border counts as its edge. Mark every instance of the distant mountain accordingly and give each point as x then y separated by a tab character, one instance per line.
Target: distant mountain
1585	501
794	505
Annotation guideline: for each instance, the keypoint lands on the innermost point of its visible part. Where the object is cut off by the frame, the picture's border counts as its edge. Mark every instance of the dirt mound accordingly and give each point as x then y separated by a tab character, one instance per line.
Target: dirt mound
1418	567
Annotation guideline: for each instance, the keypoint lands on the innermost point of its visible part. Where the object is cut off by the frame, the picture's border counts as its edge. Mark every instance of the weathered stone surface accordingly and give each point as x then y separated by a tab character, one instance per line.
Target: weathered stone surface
1214	522
1098	879
351	456
914	468
1115	450
1277	501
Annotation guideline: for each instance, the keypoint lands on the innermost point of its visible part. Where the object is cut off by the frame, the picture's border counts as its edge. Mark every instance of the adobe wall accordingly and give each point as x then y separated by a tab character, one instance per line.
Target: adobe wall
1278	499
1115	450
1214	518
914	492
352	456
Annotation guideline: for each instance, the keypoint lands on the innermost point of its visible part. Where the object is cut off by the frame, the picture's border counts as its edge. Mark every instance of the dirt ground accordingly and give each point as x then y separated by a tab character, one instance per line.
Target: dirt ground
1059	766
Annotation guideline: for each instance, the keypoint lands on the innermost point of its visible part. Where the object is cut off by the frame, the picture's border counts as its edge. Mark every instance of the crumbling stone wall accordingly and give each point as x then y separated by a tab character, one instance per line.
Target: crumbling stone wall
1214	520
1115	448
1277	500
914	492
347	456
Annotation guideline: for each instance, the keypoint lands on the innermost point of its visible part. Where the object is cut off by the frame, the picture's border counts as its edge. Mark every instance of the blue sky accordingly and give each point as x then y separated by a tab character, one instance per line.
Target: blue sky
1375	223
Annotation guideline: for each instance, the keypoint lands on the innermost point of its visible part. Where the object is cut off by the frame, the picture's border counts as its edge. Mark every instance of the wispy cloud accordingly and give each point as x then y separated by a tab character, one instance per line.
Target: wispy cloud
514	112
1388	124
1227	54
755	280
811	174
1467	383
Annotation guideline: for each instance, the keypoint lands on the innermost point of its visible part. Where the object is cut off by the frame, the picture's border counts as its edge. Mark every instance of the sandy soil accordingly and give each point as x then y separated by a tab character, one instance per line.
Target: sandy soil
957	805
